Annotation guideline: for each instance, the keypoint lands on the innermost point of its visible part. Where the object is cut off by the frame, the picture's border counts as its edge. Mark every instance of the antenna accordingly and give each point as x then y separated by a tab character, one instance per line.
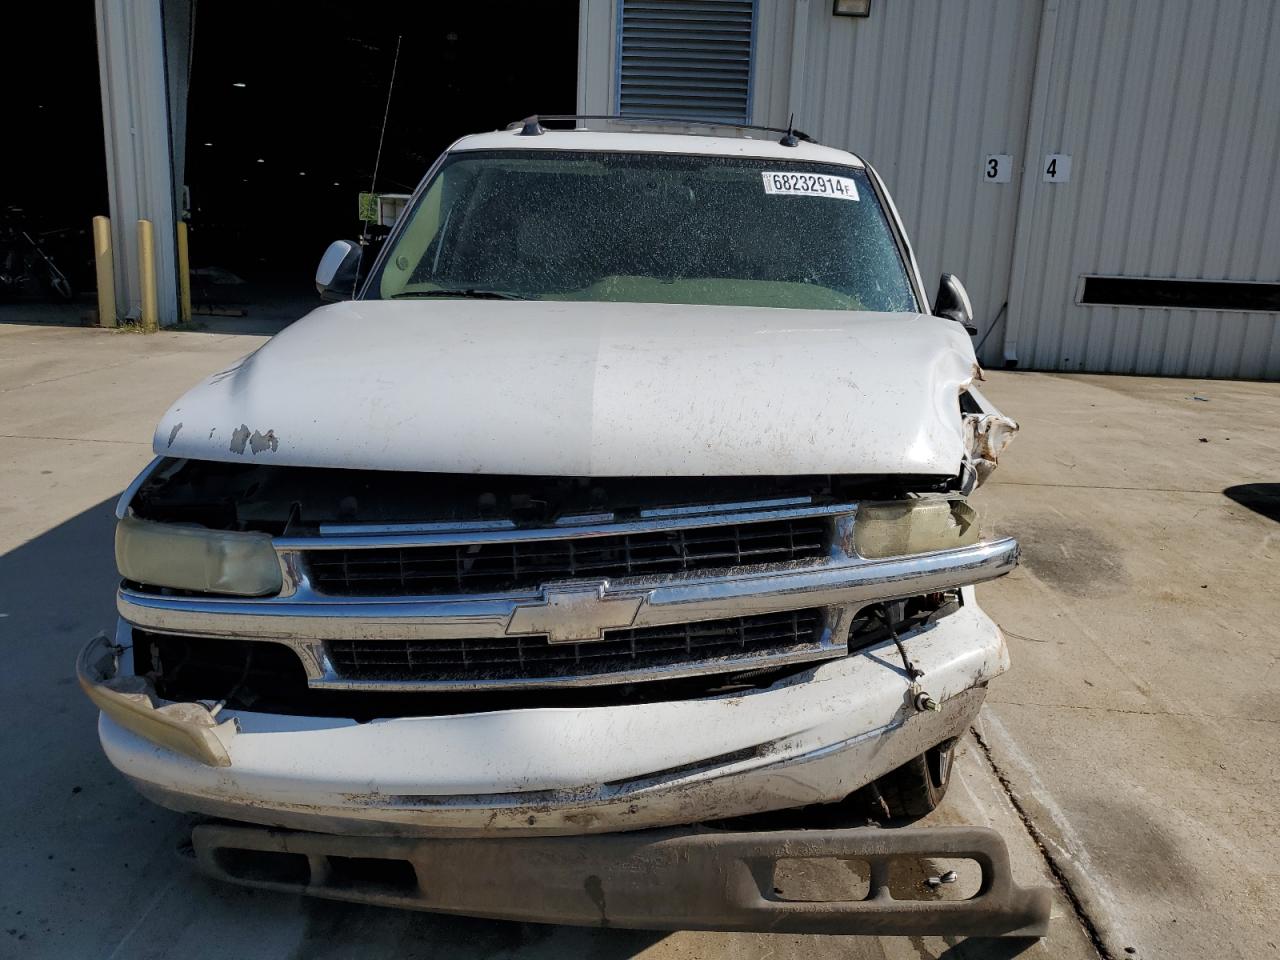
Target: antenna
373	182
789	138
377	161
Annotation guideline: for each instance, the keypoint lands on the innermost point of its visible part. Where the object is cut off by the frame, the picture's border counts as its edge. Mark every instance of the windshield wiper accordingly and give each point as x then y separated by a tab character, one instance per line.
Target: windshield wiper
469	293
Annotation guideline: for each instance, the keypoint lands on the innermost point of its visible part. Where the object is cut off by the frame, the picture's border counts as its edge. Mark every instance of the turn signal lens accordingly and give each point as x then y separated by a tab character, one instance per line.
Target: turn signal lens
900	528
193	558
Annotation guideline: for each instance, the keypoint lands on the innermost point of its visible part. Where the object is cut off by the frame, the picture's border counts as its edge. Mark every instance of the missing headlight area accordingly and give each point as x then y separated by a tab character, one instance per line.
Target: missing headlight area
883	621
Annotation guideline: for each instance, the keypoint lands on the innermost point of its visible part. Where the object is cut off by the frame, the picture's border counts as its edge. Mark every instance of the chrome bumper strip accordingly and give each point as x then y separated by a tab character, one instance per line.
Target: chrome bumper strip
306	615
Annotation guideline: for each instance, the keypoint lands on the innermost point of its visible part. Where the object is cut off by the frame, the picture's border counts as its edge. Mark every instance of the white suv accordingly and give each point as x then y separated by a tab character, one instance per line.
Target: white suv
627	496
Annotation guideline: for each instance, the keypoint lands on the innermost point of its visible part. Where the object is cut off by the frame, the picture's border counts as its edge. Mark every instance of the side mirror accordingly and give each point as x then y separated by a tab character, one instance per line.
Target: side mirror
339	269
952	303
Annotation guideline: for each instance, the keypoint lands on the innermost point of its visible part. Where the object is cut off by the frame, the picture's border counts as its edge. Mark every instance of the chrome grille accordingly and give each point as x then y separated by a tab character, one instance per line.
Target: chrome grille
525	564
795	634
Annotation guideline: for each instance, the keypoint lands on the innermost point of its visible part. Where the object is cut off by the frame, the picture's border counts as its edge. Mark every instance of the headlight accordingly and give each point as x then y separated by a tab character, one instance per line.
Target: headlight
193	558
903	527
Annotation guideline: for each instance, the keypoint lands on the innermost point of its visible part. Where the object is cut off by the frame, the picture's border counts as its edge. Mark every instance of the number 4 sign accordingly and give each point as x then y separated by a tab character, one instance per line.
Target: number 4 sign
1057	168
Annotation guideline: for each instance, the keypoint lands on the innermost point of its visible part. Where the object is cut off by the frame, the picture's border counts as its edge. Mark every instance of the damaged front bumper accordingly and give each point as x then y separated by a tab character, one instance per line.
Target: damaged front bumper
814	737
580	816
858	881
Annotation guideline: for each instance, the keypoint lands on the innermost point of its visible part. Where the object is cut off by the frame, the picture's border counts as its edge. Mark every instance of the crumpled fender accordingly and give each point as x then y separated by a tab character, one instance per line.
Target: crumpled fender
986	435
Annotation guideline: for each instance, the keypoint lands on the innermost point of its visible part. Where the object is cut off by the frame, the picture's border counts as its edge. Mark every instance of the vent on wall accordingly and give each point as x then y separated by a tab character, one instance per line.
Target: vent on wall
686	58
1245	296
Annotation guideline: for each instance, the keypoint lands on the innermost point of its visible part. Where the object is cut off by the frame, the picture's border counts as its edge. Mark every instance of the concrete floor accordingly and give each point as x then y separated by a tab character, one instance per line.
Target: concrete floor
1135	735
1138	728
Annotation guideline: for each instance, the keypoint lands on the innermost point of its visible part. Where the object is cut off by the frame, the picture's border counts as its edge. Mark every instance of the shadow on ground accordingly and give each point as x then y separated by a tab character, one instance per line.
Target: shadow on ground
1262	498
73	314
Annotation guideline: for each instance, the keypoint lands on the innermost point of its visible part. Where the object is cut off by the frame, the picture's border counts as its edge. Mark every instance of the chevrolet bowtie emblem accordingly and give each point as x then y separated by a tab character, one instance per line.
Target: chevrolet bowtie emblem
574	613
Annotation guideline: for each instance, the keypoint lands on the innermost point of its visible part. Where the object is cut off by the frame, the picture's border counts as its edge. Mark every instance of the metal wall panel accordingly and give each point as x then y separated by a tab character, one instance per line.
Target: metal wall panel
924	90
1170	110
597	87
772	81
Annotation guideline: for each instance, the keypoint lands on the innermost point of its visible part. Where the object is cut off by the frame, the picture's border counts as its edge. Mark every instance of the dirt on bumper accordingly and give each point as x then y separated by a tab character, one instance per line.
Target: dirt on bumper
654	880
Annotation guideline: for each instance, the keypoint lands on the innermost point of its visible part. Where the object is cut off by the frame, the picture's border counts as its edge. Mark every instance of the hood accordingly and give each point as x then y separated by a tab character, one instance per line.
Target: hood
588	389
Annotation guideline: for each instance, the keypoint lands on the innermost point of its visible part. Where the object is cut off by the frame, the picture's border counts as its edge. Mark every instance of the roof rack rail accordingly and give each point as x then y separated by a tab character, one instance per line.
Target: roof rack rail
532	126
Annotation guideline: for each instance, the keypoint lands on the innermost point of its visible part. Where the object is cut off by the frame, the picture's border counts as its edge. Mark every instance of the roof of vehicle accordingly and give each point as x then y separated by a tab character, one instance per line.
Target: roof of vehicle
755	144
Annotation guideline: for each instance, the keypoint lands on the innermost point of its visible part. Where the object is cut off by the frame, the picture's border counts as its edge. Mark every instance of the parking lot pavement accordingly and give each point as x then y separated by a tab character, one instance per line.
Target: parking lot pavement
1136	729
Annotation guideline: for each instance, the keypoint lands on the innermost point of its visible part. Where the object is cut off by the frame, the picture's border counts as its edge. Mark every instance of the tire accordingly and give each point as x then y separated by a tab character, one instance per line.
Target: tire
60	287
917	787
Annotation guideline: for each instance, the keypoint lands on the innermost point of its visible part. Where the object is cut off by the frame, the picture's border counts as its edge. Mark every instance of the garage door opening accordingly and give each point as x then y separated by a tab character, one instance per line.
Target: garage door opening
285	111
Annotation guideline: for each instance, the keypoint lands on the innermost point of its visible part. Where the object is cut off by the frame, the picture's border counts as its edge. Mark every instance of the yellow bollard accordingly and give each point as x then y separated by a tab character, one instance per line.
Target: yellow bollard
147	276
184	275
105	266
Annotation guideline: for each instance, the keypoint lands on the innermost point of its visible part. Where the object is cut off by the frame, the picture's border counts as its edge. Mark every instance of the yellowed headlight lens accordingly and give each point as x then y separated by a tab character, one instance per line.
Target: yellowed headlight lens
901	528
193	558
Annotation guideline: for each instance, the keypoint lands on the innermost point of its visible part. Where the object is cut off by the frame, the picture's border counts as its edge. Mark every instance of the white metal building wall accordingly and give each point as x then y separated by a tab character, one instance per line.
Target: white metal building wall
924	90
1170	110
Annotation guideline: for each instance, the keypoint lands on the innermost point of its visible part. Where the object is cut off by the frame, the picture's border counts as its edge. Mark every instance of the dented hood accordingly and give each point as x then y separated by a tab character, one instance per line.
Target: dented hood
588	389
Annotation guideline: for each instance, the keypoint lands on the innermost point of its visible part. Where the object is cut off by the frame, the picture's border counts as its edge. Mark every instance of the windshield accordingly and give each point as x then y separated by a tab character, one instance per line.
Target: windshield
648	227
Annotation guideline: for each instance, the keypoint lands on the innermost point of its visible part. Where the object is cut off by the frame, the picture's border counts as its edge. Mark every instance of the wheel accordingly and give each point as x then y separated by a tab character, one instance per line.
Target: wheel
918	786
60	287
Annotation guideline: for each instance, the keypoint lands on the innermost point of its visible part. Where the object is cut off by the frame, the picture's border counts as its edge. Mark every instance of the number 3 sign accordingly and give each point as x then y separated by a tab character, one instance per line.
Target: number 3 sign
997	168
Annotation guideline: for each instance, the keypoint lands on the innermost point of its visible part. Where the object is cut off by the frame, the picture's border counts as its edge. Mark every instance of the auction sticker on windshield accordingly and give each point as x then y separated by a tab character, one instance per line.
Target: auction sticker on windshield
809	185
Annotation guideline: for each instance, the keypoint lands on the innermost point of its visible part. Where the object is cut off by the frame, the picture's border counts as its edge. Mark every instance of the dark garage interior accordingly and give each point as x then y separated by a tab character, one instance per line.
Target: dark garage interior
285	109
275	166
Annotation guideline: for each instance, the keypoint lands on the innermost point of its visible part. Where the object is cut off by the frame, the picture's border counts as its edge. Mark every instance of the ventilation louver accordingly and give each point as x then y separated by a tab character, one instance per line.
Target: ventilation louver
686	58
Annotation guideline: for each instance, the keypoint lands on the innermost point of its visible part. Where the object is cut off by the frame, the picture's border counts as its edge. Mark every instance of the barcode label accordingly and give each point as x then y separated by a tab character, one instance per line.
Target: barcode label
809	185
